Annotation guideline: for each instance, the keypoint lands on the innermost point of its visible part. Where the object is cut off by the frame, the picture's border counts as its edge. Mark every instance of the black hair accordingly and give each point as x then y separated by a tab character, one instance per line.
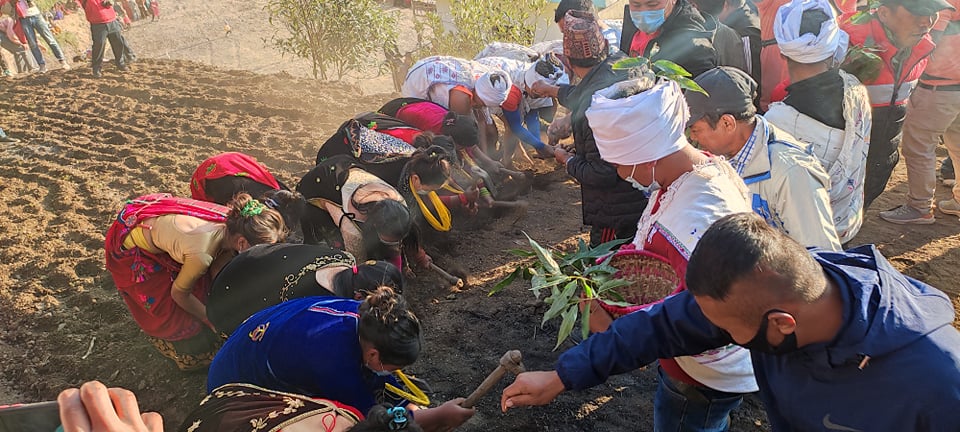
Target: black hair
713	118
427	139
367	278
385	217
378	419
738	245
290	204
428	164
387	322
463	129
569	5
812	20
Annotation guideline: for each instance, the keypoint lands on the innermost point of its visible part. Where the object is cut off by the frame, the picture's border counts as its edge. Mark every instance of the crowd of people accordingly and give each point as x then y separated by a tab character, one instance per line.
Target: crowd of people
22	23
750	179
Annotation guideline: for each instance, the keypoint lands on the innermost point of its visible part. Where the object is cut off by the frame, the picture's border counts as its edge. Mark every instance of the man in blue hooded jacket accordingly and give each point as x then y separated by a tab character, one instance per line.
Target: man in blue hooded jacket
839	340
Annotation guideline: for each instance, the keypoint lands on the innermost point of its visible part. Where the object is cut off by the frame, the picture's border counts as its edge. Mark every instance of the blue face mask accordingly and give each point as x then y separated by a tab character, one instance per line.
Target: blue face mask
379	373
648	21
647	190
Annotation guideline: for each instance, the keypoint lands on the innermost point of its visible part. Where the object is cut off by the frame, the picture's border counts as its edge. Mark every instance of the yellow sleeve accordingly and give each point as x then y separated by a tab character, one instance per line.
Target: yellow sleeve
194	267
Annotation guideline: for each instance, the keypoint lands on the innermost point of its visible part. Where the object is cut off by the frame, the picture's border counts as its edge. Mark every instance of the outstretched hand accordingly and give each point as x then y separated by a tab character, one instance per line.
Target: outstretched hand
532	388
95	408
445	417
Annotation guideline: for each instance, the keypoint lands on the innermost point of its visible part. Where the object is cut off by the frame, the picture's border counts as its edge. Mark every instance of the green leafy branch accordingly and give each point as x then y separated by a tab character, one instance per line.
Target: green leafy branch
864	16
572	279
662	68
863	62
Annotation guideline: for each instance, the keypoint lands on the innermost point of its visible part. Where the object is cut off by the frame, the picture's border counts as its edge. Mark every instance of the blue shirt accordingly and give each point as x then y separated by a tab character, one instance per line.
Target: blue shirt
893	366
308	346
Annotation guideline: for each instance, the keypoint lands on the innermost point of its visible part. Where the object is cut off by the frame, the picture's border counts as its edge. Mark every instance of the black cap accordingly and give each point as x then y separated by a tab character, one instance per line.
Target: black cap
920	7
730	90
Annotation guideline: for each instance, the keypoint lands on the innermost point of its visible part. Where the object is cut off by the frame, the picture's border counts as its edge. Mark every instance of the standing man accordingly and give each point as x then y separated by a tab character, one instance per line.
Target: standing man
825	108
788	183
737	15
33	24
839	340
11	42
668	30
611	206
933	111
641	132
897	32
104	25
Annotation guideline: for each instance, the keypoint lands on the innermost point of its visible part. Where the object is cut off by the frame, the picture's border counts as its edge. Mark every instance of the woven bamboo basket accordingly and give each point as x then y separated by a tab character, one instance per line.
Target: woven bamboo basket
651	278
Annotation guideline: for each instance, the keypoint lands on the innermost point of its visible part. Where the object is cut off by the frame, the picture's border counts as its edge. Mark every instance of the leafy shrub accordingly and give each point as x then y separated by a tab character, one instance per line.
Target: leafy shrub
338	37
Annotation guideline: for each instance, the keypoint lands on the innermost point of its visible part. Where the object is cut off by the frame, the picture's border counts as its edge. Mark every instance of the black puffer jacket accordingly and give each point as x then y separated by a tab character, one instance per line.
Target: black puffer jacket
682	40
746	23
726	42
608	201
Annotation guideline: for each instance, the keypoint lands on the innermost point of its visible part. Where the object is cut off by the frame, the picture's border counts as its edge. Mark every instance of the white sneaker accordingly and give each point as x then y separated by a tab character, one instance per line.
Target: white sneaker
65	65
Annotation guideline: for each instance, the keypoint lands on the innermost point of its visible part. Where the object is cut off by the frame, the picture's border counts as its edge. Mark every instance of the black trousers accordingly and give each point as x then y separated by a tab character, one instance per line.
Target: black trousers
100	33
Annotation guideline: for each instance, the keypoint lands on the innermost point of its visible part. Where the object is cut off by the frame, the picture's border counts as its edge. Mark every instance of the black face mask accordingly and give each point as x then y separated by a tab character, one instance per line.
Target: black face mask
760	343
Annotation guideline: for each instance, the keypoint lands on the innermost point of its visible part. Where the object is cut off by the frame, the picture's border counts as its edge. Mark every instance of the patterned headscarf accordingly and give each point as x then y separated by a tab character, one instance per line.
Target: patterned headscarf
582	38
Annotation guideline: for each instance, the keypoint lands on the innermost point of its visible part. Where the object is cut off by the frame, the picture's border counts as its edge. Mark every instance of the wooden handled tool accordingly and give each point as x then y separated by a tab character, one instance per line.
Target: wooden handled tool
451	279
512	361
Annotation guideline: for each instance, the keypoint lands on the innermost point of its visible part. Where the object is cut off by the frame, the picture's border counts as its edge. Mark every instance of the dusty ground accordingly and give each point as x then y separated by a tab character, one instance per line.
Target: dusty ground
88	145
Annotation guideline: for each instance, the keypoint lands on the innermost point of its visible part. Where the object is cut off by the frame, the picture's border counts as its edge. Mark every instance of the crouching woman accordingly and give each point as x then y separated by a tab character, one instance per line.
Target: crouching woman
161	251
333	348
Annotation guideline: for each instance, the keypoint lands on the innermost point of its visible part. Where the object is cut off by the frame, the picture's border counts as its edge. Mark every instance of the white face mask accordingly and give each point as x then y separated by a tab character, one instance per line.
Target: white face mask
647	190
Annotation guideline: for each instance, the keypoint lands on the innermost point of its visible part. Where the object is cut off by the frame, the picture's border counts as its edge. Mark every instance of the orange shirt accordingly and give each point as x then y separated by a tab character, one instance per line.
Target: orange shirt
640	41
513	99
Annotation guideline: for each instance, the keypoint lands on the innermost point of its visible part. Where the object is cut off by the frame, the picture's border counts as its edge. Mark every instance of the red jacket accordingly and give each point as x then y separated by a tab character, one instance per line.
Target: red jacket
885	90
97	13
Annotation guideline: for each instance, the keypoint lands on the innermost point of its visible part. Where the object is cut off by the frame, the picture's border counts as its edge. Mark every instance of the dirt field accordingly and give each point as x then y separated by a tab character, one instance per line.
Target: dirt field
90	144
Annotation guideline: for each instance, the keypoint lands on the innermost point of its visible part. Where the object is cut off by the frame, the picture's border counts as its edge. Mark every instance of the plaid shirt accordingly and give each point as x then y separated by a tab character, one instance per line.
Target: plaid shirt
739	162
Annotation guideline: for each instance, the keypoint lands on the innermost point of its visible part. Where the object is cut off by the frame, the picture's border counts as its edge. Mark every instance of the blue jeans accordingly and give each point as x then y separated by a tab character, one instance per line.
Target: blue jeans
36	25
681	407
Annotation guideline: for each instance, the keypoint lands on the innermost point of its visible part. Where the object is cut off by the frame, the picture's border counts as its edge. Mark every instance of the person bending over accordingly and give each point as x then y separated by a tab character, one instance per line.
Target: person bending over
162	252
340	349
266	275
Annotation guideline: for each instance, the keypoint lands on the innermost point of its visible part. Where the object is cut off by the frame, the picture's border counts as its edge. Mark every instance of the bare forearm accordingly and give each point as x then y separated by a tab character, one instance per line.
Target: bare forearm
191	304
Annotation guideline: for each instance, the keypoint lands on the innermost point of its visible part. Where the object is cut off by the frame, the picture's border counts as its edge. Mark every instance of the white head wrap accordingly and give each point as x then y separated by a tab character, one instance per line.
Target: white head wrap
549	62
493	88
642	128
807	48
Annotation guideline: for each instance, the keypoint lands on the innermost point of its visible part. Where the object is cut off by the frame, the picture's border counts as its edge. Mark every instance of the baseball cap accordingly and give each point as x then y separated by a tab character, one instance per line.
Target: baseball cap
920	7
730	90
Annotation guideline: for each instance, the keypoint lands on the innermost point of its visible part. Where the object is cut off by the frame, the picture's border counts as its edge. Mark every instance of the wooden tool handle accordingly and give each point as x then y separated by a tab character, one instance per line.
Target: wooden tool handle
484	387
451	279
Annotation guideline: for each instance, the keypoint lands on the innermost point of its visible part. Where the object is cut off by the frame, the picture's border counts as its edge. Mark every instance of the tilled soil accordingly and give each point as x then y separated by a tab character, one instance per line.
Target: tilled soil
90	144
